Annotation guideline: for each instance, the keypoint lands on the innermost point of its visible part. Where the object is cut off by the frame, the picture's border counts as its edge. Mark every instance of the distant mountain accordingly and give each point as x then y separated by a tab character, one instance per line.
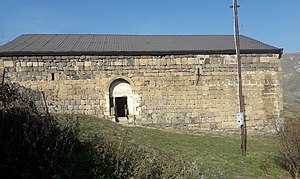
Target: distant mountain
291	79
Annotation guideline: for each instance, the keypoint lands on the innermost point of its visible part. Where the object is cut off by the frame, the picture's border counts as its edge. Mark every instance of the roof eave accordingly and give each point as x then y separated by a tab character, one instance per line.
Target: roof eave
138	53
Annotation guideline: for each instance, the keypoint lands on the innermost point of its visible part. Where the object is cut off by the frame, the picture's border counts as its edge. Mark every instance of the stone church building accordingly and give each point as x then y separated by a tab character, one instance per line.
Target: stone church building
160	80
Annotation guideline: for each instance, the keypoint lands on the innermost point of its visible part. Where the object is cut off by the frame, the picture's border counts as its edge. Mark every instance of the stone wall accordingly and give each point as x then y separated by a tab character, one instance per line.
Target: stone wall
193	91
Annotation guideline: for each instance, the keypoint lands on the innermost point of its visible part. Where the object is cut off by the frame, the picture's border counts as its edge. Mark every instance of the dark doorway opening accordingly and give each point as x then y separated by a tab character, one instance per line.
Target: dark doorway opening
121	106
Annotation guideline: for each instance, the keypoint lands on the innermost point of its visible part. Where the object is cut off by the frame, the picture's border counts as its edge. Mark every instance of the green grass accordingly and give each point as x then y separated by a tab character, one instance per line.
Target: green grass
218	156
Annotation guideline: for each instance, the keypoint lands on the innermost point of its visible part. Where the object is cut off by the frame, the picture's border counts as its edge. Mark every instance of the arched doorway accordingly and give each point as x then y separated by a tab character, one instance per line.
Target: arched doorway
122	101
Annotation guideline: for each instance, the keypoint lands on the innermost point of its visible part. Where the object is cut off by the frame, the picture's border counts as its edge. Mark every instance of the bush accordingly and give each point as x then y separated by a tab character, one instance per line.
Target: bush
31	144
290	144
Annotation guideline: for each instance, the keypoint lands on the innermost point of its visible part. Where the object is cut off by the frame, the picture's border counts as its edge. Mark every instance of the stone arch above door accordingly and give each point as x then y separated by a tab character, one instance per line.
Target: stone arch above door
123	103
120	87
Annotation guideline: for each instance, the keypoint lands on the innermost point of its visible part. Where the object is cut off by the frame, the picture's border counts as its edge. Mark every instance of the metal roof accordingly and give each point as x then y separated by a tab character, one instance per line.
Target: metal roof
100	44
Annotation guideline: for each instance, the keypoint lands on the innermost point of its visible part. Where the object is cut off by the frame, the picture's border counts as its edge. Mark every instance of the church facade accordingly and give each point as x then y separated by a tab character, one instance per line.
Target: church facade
186	81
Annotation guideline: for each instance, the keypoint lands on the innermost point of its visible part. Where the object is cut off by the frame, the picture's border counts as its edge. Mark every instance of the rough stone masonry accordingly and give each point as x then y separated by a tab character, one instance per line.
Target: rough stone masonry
197	91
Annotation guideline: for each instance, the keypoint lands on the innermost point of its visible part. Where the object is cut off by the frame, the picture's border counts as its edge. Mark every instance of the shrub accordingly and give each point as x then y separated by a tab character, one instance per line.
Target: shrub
31	144
290	144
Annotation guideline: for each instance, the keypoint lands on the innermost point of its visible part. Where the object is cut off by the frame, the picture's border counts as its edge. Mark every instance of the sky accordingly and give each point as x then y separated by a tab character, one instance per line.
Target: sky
275	22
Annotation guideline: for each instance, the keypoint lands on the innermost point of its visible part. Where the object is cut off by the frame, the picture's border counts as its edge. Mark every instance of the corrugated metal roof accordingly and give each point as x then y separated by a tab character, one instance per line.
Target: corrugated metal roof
96	44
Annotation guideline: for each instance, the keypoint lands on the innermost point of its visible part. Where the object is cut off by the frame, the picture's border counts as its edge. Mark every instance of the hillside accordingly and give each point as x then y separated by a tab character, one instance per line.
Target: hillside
216	156
291	79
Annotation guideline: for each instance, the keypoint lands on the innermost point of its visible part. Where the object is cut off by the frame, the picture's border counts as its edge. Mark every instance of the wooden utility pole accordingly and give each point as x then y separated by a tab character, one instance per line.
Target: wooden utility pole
241	114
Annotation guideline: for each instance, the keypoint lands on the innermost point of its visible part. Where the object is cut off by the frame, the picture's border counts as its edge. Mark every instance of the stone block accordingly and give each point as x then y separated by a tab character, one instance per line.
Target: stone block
8	64
264	59
79	64
35	64
29	64
40	64
191	61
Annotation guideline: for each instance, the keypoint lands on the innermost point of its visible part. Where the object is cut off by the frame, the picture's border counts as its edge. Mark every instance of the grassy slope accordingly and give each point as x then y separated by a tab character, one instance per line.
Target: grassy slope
219	154
216	155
